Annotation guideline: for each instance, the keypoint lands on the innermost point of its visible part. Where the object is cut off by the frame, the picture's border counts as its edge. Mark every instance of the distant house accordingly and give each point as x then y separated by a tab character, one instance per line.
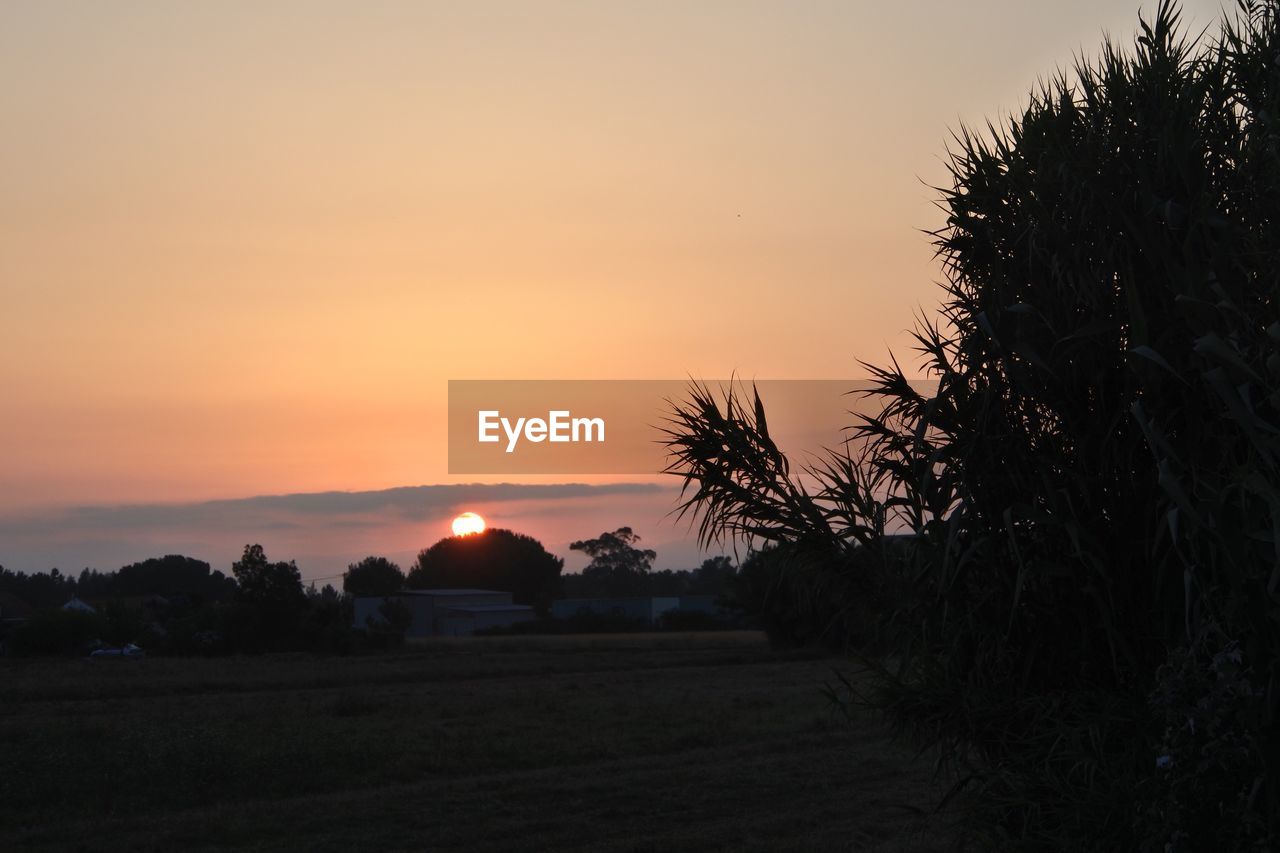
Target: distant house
76	604
447	612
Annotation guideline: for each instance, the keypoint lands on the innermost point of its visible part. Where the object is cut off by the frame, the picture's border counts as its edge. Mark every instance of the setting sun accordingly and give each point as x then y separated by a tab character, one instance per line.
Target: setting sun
467	524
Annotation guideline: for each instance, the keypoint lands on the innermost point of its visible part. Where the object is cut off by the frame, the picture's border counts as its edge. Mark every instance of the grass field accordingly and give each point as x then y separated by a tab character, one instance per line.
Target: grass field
655	742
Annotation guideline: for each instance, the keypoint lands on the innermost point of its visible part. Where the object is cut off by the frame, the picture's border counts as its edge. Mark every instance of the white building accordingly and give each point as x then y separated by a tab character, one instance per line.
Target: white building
447	612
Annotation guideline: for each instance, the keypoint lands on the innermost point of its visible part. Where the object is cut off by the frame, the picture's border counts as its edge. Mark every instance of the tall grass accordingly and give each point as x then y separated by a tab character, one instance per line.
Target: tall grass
1094	633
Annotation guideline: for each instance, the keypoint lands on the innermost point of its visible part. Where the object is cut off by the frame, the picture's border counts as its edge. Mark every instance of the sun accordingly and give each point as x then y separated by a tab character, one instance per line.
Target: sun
467	524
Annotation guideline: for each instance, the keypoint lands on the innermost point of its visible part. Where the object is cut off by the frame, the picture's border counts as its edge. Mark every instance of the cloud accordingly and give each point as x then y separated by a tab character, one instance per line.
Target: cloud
294	511
323	530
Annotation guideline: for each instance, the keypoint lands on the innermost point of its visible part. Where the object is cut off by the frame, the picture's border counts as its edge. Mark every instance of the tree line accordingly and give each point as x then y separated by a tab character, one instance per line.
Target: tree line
180	605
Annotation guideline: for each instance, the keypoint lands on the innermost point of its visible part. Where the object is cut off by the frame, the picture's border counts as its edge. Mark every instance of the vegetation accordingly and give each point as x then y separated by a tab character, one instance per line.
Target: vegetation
177	606
660	742
617	567
373	576
713	577
1086	620
388	627
270	601
169	576
493	559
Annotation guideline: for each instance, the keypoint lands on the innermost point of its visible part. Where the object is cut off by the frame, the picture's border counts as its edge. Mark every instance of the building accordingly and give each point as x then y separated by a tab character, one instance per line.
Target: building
447	612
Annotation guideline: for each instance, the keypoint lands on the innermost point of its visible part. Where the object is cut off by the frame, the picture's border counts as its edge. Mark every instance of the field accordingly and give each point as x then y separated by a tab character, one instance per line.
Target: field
636	743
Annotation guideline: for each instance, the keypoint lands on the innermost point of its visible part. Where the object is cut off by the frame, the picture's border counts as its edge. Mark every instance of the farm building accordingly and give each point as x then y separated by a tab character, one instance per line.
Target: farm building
447	612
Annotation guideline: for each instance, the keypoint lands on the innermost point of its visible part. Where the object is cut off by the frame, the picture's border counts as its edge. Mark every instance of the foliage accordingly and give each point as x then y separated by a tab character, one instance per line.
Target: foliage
694	620
268	602
1097	477
388	628
801	596
495	559
582	622
58	632
326	626
373	576
171	575
713	577
273	586
38	589
617	567
177	606
1203	794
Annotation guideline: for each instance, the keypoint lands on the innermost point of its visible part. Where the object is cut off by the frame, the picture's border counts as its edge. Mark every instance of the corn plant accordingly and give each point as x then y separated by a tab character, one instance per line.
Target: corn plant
1095	483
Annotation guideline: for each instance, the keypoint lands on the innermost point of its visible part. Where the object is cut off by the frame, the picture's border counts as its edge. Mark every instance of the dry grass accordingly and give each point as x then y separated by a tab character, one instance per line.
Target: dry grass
650	742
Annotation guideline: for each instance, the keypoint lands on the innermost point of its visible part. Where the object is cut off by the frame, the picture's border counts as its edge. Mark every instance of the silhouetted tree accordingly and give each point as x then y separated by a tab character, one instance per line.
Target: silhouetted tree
327	625
373	576
617	566
712	577
121	623
53	631
495	559
274	586
172	575
39	589
389	626
95	584
271	598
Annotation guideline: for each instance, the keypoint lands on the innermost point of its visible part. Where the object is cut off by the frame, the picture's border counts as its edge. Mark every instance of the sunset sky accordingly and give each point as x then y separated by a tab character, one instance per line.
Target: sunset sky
244	246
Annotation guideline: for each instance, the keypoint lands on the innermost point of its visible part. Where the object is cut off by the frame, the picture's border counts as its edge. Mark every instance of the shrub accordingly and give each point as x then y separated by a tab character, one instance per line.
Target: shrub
693	620
1095	483
58	632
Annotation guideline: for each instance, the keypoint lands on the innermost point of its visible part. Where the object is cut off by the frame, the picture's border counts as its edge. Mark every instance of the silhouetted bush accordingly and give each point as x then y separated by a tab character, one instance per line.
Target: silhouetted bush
694	620
387	629
584	622
58	632
1094	488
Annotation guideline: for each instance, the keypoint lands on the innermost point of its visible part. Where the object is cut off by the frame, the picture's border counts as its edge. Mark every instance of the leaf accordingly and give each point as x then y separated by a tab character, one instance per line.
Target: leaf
1151	355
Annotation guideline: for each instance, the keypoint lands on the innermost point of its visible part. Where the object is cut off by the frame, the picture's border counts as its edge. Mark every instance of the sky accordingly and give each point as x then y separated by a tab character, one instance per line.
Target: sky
244	247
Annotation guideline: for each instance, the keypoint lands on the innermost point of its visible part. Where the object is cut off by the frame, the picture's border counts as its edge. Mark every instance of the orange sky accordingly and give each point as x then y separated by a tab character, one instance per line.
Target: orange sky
244	246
